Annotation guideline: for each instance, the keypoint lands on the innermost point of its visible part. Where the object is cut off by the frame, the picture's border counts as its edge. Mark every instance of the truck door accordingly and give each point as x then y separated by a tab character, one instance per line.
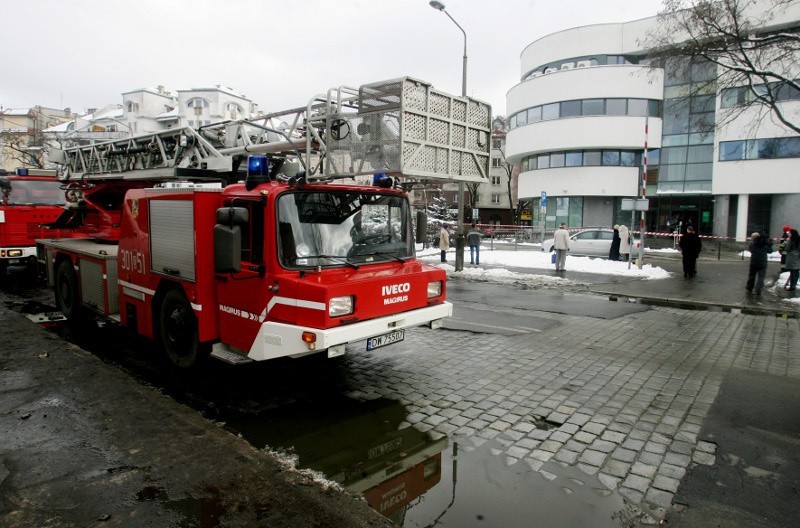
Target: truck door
243	295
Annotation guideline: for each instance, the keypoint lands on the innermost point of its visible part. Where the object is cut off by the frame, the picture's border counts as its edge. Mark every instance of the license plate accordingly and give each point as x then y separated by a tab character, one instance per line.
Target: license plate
385	339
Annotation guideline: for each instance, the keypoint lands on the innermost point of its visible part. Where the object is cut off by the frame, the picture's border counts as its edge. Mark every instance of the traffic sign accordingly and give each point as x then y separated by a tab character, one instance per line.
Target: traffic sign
543	201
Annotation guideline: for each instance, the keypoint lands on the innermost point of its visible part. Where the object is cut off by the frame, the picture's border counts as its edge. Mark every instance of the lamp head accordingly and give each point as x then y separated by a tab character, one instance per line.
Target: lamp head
437	5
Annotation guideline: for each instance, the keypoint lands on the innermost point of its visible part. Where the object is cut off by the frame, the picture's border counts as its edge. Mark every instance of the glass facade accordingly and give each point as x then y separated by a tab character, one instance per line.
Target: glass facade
687	153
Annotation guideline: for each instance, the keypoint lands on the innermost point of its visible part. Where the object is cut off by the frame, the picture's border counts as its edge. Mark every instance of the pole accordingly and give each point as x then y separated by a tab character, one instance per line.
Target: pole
460	230
644	190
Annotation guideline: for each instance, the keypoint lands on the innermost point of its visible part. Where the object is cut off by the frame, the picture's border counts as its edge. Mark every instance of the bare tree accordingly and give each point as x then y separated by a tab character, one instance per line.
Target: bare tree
756	56
24	149
509	178
474	196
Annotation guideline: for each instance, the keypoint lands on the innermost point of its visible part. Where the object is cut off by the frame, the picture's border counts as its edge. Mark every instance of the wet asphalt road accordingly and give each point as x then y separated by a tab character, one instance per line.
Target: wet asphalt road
539	404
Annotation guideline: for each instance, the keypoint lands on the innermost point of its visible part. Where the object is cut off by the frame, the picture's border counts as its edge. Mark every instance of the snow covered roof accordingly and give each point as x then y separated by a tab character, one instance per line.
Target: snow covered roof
62	127
168	116
216	88
15	111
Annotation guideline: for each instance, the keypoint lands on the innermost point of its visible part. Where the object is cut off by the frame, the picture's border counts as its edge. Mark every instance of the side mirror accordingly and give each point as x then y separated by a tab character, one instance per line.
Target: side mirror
228	239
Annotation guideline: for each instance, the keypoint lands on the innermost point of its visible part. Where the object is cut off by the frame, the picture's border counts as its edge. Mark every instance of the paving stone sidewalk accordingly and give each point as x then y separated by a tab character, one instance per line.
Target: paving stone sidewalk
580	395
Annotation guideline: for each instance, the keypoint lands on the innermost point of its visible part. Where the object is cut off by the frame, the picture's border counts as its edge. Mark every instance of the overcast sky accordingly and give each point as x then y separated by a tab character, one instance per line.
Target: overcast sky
279	54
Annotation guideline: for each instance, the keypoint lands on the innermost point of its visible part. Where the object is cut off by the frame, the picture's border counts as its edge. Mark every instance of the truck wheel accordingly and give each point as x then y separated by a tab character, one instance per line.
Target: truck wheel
66	290
177	331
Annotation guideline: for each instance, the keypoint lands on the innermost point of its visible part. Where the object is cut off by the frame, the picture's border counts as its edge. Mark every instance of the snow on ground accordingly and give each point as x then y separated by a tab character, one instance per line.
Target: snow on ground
527	263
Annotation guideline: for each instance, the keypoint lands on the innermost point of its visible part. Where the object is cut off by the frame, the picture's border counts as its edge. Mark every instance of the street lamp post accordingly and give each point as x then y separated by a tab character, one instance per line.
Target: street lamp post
460	230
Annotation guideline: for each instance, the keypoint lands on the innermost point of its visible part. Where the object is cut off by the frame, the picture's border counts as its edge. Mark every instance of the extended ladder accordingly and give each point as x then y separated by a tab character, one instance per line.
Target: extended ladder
402	126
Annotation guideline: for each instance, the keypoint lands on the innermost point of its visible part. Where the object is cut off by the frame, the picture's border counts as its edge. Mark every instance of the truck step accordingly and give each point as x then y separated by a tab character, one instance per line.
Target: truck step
229	357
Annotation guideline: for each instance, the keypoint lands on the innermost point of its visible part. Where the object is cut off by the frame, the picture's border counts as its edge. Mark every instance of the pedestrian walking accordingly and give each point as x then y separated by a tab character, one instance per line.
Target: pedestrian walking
474	236
782	250
760	247
613	253
444	241
624	242
793	258
561	244
691	246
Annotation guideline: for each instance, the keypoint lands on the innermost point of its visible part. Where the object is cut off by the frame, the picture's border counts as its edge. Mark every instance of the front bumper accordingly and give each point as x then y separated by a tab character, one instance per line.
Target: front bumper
279	340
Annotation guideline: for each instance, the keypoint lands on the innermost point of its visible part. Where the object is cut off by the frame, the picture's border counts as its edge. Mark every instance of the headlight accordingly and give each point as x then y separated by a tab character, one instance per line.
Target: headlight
339	306
434	289
14	252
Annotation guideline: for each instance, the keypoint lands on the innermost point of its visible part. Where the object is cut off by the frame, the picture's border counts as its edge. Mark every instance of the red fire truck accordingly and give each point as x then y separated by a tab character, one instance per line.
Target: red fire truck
296	257
30	200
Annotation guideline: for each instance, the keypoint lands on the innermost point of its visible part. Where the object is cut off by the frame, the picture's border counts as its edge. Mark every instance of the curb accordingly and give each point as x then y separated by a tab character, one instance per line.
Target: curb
697	305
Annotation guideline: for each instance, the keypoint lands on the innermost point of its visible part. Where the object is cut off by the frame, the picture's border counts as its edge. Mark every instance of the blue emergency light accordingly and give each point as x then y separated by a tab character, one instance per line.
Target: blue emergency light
257	166
257	171
382	180
22	172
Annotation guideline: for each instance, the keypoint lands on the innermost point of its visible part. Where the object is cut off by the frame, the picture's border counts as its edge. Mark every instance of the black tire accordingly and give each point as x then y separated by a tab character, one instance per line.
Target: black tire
177	331
66	291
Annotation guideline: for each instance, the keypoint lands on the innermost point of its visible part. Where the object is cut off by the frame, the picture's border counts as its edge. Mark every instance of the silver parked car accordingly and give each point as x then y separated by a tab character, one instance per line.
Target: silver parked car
594	242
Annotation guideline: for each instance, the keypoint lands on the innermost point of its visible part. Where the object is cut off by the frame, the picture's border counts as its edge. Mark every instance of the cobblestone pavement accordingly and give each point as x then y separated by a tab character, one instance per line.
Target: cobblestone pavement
580	394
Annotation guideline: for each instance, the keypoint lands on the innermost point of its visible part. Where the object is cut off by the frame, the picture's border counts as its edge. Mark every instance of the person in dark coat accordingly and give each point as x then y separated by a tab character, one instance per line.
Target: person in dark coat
793	259
691	246
760	247
613	253
787	231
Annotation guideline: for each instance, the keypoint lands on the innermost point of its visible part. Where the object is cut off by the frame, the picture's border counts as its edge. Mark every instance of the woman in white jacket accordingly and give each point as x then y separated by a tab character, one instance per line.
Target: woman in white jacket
624	242
444	241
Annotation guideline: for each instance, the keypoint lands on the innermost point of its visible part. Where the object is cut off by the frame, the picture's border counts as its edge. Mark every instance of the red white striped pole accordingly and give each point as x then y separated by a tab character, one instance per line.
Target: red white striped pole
644	189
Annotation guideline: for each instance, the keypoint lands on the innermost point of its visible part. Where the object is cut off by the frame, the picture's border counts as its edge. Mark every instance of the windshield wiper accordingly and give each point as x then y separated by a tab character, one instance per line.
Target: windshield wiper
339	258
383	254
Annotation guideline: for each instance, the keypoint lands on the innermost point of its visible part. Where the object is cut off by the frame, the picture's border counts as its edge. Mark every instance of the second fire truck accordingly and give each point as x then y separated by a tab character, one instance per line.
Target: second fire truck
290	255
30	200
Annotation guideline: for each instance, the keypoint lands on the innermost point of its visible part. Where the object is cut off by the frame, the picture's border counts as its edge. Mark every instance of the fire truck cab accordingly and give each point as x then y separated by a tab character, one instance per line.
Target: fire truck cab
30	200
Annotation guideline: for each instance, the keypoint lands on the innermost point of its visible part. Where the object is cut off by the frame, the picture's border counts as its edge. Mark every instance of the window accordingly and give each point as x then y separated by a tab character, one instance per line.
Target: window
535	114
637	107
522	118
570	109
550	111
592	158
574	159
786	92
627	158
197	102
788	148
495	198
616	106
544	161
610	157
496	144
495	180
132	106
765	148
556	159
495	162
593	107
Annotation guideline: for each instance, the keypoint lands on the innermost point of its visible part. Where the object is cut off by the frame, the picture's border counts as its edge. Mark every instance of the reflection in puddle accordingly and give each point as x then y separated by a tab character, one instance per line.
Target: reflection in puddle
367	447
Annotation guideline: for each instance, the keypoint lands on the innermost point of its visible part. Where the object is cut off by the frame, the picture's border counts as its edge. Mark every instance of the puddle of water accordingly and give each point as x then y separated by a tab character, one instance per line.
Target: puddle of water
477	488
418	481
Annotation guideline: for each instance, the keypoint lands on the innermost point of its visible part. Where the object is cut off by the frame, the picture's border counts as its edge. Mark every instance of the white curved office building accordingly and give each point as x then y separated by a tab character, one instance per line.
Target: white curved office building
577	123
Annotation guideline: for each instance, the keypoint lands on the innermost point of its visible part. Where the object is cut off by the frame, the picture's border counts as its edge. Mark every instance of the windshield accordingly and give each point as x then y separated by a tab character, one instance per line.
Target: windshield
36	192
341	228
